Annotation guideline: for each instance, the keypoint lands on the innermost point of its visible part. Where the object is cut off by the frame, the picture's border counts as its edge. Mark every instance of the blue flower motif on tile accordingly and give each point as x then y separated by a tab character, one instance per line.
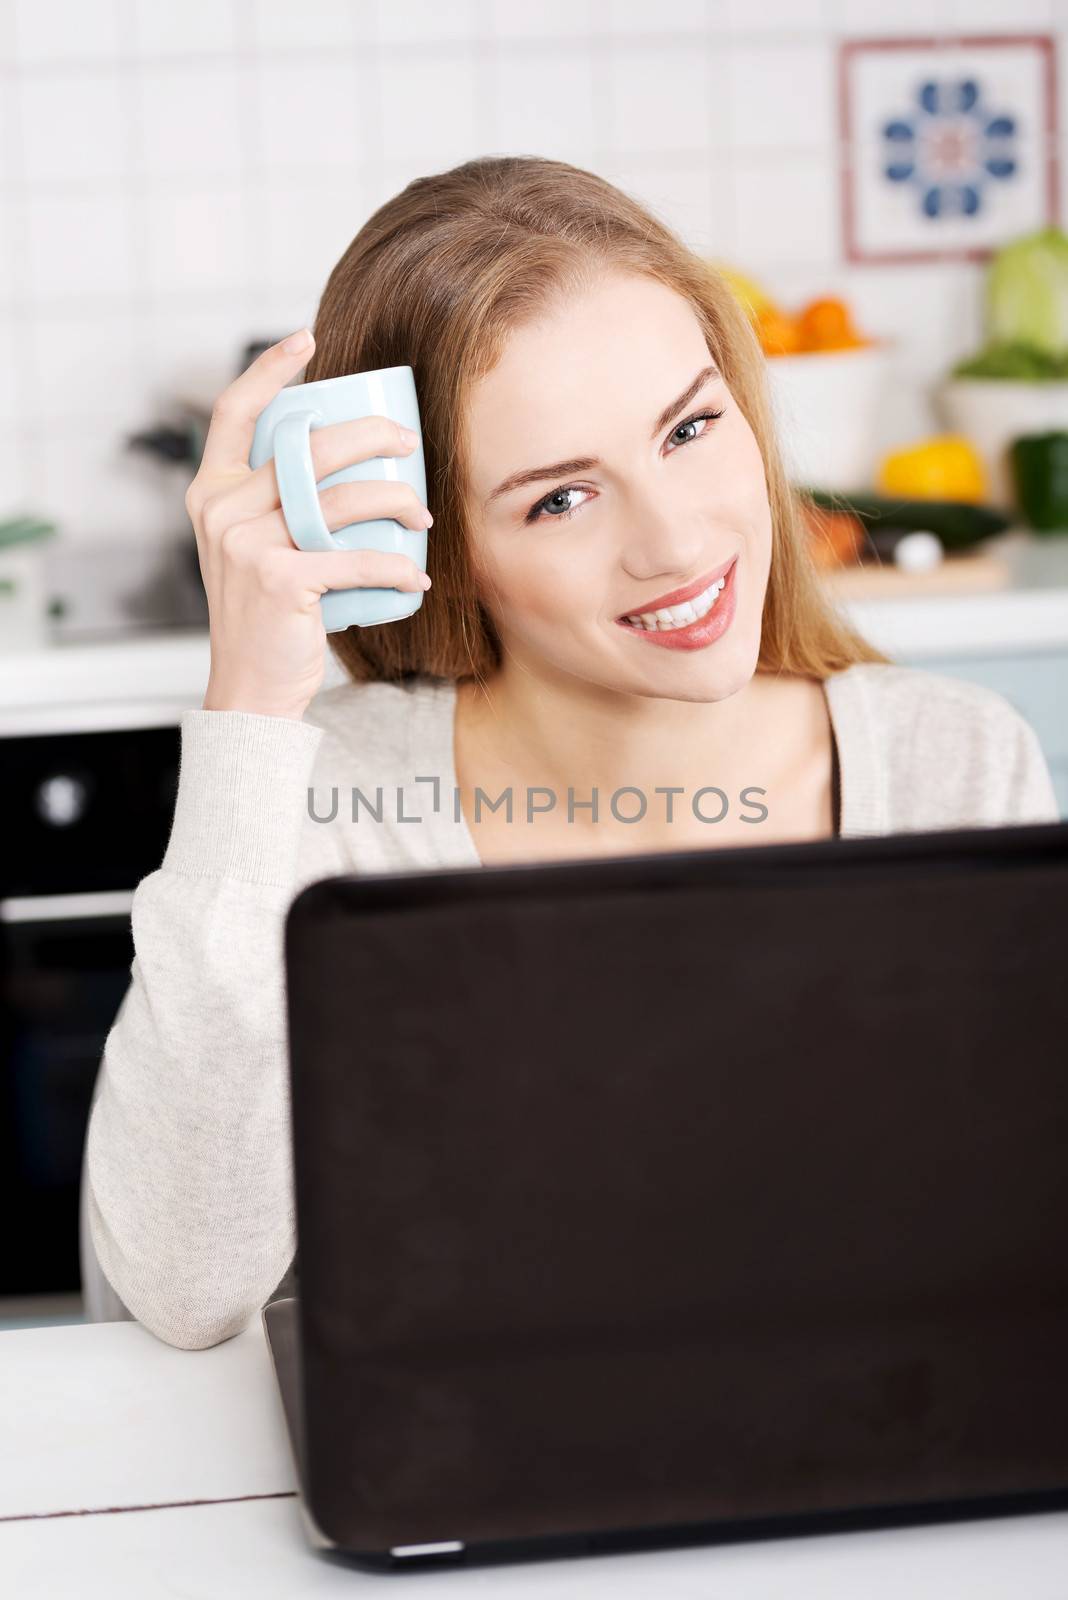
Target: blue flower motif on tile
950	148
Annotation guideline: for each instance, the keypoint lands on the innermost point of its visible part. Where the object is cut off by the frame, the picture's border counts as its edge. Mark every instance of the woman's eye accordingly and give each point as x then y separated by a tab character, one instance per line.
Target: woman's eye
550	508
705	416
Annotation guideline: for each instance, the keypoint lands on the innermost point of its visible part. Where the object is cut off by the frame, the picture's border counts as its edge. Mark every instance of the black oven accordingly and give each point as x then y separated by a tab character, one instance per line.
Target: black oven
83	818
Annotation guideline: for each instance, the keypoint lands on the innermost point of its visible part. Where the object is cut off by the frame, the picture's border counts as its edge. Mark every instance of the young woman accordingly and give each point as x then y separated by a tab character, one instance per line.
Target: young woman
598	450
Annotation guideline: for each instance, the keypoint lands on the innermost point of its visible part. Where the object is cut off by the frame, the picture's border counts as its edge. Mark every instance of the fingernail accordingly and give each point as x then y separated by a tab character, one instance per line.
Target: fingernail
297	342
411	439
428	520
426	580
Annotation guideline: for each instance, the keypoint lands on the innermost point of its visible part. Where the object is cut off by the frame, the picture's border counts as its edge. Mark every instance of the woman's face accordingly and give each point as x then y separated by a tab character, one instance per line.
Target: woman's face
630	494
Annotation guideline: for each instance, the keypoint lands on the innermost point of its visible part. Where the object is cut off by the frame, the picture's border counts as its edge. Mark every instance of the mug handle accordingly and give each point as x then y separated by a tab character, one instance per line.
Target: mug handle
297	488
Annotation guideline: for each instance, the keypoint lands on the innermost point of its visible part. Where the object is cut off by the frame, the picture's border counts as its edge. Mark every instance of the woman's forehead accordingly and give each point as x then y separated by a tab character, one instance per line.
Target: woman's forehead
560	382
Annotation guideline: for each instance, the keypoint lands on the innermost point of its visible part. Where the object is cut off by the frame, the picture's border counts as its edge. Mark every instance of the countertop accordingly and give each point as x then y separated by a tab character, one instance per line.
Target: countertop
1010	595
128	1467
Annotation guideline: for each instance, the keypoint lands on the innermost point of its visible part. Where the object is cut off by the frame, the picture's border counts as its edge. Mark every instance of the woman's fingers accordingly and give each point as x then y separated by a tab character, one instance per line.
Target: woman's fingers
237	408
267	630
366	501
355	569
338	445
342	504
341	444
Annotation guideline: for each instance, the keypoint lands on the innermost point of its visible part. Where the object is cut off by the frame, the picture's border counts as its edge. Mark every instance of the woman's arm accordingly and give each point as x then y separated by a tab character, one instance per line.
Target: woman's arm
1028	794
189	1149
188	1156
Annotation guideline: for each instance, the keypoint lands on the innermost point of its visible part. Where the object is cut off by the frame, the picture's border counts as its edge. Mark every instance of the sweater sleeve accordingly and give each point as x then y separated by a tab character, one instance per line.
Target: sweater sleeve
957	754
1028	794
189	1183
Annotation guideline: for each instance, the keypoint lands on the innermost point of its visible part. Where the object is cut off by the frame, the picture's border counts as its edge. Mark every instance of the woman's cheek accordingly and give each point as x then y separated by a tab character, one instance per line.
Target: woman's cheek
542	593
735	459
514	598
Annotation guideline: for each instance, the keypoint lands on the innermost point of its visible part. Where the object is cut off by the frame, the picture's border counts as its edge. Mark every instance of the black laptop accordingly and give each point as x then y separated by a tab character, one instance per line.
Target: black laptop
709	1194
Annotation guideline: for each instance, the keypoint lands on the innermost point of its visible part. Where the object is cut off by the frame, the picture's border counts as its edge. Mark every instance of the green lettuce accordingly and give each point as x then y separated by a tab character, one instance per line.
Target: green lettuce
1024	362
1027	293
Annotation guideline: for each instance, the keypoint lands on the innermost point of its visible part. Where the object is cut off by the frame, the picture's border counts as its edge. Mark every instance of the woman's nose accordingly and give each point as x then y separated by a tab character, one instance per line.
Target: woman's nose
661	537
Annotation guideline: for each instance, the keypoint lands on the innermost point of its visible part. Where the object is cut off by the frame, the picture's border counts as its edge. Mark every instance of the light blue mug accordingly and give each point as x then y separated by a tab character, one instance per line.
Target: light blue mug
283	431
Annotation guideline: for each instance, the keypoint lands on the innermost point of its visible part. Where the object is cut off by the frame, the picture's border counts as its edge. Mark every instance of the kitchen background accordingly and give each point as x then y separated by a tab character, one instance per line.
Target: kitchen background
176	183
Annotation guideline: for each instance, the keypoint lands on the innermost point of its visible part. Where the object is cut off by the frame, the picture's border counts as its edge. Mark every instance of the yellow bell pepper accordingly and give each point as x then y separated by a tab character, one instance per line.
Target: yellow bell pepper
945	467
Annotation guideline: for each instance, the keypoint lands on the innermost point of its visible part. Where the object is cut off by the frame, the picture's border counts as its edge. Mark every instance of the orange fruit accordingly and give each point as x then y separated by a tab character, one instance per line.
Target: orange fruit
835	538
778	333
826	324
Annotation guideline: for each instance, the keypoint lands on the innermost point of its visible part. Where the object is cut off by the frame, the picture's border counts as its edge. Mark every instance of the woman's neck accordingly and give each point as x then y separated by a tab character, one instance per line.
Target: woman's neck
560	733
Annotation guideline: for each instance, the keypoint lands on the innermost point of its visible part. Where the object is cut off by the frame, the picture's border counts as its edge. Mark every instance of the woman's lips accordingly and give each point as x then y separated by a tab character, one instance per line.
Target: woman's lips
678	597
695	635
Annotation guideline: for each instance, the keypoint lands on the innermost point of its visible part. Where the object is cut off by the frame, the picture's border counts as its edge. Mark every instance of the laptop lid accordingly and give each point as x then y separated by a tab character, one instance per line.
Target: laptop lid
693	1188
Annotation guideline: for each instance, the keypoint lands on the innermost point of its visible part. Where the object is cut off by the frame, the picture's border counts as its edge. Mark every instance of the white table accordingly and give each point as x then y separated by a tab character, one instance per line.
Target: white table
128	1468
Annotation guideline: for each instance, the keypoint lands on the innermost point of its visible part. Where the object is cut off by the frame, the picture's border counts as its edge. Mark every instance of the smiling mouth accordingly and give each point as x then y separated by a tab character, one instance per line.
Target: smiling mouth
684	612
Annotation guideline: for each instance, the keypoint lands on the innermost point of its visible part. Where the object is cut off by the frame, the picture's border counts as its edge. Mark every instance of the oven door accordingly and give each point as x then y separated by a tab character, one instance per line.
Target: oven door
64	968
85	815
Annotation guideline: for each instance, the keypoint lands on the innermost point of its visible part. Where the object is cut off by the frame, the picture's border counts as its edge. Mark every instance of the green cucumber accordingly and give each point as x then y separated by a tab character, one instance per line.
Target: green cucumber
958	523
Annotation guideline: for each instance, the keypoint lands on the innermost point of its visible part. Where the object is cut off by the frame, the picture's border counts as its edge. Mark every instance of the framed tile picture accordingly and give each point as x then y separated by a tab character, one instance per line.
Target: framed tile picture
948	145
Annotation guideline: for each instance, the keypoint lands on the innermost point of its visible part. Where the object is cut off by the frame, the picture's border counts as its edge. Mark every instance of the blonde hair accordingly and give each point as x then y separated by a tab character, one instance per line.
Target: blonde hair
436	279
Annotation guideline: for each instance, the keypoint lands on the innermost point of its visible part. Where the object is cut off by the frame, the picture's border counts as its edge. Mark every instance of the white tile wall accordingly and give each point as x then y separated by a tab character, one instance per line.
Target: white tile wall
85	480
419	22
79	366
628	18
170	143
798	80
280	27
659	95
41	34
542	102
78	246
430	107
9	397
189	348
548	19
194	28
176	180
197	239
297	226
308	114
786	206
778	17
73	130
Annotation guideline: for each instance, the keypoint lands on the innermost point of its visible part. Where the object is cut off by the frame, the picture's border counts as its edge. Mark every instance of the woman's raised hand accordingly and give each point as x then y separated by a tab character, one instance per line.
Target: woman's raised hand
266	626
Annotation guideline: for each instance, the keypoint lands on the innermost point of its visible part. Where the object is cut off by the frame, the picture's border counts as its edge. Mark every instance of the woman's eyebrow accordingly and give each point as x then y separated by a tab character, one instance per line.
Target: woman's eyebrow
564	469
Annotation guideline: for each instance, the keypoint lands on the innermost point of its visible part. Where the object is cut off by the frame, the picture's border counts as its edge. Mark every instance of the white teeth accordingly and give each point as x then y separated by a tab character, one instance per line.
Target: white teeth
678	616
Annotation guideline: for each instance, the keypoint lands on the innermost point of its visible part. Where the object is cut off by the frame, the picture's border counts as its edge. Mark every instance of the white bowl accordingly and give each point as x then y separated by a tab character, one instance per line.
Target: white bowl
826	405
992	412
